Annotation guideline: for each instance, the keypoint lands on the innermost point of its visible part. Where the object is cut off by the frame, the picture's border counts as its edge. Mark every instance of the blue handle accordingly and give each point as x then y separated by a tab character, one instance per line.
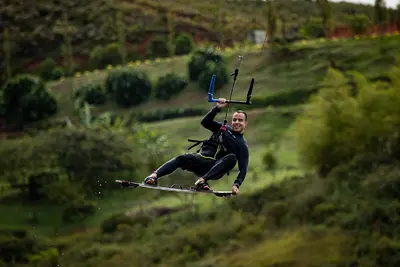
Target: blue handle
211	89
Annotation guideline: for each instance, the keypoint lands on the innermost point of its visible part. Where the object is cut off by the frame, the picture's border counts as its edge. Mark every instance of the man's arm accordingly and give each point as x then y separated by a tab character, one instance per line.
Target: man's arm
208	120
243	163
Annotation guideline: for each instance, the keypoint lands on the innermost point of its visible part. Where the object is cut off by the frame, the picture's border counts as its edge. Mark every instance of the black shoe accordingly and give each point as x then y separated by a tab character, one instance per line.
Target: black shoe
150	181
202	186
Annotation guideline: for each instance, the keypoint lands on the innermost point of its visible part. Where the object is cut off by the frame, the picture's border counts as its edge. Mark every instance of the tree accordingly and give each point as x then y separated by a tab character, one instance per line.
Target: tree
380	14
271	18
326	15
121	35
7	53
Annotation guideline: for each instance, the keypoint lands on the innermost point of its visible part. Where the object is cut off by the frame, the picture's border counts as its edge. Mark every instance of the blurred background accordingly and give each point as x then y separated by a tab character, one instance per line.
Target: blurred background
99	90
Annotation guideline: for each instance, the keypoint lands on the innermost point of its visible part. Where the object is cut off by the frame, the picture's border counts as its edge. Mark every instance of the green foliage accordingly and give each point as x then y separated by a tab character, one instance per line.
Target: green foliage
340	124
359	23
269	160
131	86
78	211
102	56
198	62
285	98
57	73
91	93
184	44
159	47
219	69
26	99
169	85
45	258
314	28
18	244
112	224
46	68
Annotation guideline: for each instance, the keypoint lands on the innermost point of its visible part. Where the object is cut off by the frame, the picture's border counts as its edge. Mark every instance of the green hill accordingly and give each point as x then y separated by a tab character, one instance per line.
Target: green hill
92	23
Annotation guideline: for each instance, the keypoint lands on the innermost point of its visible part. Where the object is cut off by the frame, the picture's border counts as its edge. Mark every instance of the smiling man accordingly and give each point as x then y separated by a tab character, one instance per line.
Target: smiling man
216	156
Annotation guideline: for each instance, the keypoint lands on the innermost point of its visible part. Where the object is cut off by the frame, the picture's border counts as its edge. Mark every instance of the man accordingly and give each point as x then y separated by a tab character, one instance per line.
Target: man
217	155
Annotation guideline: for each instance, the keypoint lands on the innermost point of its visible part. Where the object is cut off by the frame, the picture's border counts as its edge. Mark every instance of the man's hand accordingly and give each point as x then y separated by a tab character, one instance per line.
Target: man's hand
221	103
235	190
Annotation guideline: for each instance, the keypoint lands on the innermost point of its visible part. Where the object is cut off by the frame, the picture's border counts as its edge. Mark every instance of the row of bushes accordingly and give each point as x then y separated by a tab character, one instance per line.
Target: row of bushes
111	54
131	87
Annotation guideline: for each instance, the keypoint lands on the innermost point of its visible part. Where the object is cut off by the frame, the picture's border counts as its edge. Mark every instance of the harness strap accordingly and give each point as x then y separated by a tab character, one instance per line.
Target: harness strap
197	142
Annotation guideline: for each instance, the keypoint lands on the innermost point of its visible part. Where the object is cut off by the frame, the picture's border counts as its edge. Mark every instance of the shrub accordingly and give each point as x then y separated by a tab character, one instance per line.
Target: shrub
101	56
184	44
26	99
159	47
169	85
57	73
91	93
340	124
198	62
314	28
131	87
77	211
359	23
111	224
219	69
46	68
269	160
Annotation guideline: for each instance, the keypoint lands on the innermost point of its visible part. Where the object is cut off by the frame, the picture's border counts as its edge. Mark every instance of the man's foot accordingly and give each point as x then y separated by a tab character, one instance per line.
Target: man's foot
150	181
202	185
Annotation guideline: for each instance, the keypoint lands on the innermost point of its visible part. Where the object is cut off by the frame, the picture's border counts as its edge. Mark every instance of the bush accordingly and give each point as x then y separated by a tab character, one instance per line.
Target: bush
91	93
17	244
46	68
219	69
184	44
101	56
359	23
198	62
169	85
270	161
26	99
78	211
111	224
131	87
314	29
159	47
341	122
57	73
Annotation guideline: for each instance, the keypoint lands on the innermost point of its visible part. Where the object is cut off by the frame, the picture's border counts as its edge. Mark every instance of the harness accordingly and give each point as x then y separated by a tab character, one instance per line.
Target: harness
216	141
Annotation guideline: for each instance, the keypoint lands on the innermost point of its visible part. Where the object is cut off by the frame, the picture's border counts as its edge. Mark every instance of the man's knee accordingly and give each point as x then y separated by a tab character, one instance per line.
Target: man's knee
185	161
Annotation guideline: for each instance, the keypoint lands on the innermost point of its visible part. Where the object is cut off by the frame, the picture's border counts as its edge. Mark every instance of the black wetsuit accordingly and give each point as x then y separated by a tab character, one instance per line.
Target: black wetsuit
214	159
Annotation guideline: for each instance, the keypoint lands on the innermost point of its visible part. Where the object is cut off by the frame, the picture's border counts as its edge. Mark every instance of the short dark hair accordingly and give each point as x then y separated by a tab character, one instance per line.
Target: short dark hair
243	112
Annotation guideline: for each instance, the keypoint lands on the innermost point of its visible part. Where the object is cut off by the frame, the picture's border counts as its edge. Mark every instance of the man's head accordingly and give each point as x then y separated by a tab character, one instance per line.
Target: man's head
239	121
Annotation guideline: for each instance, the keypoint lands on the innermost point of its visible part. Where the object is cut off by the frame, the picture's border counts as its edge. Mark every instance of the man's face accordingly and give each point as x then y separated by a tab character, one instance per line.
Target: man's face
239	122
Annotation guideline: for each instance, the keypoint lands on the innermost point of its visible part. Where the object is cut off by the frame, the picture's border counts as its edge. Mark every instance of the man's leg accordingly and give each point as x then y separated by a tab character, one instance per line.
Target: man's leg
220	168
186	162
